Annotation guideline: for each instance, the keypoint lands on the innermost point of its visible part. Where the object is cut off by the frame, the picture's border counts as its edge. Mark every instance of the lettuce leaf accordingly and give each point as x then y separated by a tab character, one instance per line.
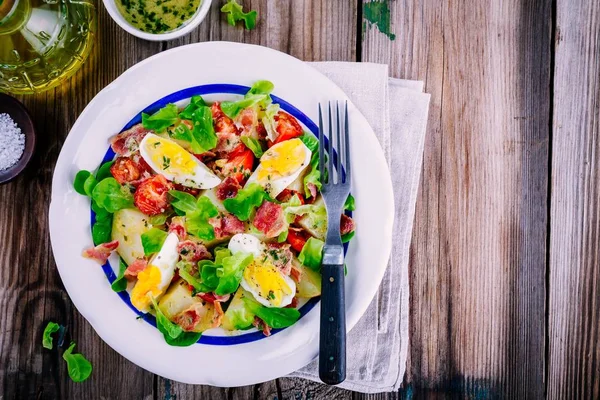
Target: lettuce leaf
231	272
195	103
104	170
120	284
235	13
164	324
311	255
183	201
310	141
349	204
258	95
162	119
204	135
197	220
246	201
268	120
152	240
111	196
254	145
274	317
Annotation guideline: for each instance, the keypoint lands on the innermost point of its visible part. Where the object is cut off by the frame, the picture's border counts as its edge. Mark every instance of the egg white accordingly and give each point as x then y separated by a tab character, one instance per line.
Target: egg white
200	177
247	243
165	261
275	186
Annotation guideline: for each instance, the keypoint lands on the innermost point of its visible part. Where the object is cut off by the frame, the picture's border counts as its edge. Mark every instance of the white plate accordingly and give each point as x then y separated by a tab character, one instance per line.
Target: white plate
159	77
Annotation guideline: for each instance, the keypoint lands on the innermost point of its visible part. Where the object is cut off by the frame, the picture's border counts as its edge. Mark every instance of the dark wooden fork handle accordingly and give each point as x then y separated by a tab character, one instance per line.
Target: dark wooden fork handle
332	354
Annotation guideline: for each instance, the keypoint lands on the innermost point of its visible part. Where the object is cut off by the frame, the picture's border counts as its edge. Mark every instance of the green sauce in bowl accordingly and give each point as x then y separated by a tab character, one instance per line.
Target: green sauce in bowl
157	16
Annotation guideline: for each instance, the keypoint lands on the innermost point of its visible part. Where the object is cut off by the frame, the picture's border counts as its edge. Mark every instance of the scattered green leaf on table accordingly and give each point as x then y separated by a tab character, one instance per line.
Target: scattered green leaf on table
47	339
235	13
78	366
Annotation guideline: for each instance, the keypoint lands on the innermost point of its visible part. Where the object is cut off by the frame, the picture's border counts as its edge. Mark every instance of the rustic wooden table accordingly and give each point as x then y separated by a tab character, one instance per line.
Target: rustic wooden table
505	264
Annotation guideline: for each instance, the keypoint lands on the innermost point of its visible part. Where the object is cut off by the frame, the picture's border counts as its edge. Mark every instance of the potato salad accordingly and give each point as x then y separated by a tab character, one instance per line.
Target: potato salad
215	212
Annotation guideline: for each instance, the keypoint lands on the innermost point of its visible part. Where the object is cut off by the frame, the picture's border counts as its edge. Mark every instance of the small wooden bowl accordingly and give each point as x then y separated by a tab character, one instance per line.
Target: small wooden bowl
20	115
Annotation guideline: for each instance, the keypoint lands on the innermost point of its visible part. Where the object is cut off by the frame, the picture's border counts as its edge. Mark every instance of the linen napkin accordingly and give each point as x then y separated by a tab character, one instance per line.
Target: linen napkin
397	111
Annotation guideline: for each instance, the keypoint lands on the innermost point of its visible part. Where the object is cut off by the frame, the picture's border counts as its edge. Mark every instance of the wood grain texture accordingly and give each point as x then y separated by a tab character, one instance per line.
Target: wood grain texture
479	245
574	313
31	293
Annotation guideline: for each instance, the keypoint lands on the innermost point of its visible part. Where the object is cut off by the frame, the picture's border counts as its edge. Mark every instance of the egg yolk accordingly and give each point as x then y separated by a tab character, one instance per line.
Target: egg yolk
281	160
267	282
168	156
147	284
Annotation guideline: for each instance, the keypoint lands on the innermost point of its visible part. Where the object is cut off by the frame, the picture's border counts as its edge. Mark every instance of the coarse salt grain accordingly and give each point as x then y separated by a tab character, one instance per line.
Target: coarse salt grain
12	142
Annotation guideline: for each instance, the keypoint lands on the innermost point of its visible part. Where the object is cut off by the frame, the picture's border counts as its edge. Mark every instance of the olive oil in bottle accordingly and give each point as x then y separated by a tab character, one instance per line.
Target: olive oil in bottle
43	42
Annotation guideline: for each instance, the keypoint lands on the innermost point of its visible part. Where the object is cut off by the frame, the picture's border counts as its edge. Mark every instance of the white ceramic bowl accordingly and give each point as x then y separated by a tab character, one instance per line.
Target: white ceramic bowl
219	359
187	27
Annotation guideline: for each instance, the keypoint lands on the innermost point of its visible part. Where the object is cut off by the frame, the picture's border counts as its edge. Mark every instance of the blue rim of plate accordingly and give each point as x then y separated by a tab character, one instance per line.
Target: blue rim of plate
220	88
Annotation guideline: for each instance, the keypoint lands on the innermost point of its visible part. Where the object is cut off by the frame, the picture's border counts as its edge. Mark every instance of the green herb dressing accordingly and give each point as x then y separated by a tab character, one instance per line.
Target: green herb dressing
157	16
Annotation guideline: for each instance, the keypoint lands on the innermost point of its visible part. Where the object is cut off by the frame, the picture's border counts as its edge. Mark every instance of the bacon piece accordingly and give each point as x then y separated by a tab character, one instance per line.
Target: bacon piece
312	188
228	188
280	255
346	225
193	251
226	224
128	142
217	315
293	304
177	226
287	194
212	297
261	325
190	318
135	268
193	191
101	252
130	169
269	219
296	274
247	122
227	133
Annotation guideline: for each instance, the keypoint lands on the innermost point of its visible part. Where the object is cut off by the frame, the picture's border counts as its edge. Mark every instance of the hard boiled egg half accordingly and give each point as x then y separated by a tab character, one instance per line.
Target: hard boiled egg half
175	163
281	165
156	277
267	284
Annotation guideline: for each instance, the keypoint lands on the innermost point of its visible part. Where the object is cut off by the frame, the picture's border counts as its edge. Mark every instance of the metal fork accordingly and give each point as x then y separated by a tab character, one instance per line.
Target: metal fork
335	189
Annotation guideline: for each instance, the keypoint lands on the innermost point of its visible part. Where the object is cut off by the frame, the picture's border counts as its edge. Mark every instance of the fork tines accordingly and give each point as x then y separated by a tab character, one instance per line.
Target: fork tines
338	170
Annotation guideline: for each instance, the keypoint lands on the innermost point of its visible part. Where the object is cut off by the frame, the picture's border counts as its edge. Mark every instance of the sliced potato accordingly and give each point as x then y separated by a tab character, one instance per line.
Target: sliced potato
177	299
128	227
310	281
207	319
237	315
316	226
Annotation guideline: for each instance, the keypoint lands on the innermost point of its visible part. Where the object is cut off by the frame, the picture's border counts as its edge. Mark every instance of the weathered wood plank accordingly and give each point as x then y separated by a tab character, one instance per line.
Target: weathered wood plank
31	292
574	292
479	244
